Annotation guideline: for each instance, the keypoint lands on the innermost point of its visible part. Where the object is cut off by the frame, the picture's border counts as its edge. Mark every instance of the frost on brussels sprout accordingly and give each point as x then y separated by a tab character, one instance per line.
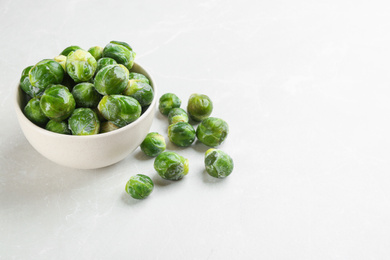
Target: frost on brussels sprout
181	134
171	166
96	52
138	76
167	102
104	62
139	186
153	144
45	73
111	79
58	127
218	163
121	52
119	109
34	112
212	131
86	95
61	59
80	65
177	115
141	91
69	49
107	126
57	102
84	121
199	107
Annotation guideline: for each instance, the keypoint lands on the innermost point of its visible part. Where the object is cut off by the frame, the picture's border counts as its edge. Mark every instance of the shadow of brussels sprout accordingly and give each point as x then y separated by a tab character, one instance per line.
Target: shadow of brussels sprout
200	147
140	155
128	200
160	182
209	179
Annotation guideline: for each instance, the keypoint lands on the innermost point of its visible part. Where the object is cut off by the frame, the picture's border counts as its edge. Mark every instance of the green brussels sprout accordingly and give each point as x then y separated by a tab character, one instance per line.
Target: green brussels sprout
141	91
25	84
177	115
80	65
171	166
119	109
107	126
96	52
34	112
86	95
181	134
139	186
45	73
167	102
61	59
104	62
138	76
84	121
218	163
121	52
99	115
69	49
58	127
153	144
212	131
112	79
199	107
57	102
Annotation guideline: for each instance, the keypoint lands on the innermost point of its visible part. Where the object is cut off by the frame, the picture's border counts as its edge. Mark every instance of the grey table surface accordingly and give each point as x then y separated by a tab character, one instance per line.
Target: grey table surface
304	86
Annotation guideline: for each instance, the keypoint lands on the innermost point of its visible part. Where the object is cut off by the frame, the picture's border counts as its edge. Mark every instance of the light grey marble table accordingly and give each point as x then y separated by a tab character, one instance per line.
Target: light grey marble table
304	86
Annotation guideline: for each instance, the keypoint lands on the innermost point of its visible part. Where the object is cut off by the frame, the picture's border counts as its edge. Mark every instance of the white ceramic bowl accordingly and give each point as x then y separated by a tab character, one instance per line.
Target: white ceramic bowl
87	152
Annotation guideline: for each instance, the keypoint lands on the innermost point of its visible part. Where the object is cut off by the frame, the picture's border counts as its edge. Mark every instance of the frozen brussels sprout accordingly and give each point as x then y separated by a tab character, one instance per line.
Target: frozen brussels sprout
107	126
69	49
181	134
84	121
153	144
45	73
57	102
139	76
86	95
139	186
212	131
177	115
119	109
104	62
34	112
25	84
199	107
171	166
218	163
96	52
58	127
167	102
80	65
112	79
121	52
141	91
61	59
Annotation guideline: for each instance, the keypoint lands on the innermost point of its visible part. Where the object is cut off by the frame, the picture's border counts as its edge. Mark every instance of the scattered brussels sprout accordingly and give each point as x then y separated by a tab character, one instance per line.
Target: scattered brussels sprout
107	126
139	77
58	127
61	59
212	131
218	163
86	95
80	65
121	52
139	186
25	84
45	73
84	121
57	102
34	112
96	52
141	91
167	102
153	144
181	134
112	79
119	109
69	49
177	115
171	166
104	62
199	107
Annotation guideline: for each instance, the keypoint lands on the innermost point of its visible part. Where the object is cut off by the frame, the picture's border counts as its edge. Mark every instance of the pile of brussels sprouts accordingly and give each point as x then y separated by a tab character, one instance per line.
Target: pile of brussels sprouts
211	131
83	92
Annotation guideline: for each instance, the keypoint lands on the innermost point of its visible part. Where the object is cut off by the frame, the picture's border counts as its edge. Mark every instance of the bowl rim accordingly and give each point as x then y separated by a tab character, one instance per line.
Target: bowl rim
41	130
